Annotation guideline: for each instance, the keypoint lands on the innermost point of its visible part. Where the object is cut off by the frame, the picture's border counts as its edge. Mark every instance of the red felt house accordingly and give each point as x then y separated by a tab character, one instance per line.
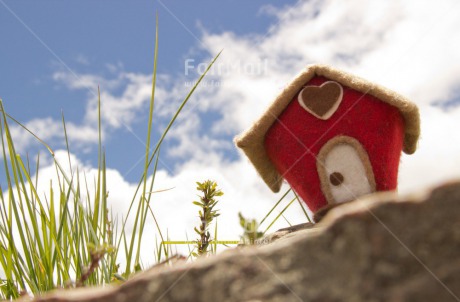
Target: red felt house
332	136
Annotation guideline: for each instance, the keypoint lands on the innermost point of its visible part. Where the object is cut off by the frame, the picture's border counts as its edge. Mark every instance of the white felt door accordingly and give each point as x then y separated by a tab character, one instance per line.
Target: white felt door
345	170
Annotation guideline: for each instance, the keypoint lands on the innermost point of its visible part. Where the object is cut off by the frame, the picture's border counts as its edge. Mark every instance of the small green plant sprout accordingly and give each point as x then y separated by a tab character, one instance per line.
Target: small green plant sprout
206	214
250	230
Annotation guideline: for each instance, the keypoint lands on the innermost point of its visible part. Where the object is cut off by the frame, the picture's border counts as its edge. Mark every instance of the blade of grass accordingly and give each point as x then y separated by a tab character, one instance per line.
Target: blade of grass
144	217
152	156
143	199
98	193
215	238
281	213
66	141
274	207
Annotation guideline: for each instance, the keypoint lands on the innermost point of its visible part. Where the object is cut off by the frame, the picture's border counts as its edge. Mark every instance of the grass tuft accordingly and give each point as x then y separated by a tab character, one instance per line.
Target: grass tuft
69	237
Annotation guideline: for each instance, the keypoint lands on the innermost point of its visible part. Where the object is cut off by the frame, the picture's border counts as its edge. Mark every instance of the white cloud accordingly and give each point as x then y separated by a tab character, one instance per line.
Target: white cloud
402	44
118	110
438	156
49	129
82	59
409	46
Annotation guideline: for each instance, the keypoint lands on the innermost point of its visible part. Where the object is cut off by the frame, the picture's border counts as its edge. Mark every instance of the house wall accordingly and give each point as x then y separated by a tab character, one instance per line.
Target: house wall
294	141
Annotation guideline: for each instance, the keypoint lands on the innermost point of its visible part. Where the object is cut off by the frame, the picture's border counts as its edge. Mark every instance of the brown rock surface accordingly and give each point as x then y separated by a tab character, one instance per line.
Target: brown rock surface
377	249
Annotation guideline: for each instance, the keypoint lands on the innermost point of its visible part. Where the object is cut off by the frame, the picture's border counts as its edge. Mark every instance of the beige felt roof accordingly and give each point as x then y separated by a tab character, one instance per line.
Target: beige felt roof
252	140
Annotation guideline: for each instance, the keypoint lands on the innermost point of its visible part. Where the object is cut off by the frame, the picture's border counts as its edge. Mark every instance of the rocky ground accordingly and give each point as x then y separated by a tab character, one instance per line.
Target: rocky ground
380	248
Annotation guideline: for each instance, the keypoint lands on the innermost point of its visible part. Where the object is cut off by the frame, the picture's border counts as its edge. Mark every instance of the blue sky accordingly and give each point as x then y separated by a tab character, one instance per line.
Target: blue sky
83	37
409	46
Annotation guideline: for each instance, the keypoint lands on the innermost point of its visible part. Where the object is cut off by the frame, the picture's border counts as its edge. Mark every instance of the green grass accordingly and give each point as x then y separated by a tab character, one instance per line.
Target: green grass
69	237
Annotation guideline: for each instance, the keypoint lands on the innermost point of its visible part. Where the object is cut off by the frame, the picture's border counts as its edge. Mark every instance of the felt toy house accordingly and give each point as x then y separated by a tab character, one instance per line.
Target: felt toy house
332	136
